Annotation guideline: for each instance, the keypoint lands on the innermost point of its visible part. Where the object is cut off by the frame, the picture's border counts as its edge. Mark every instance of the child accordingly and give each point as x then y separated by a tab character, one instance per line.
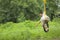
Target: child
44	20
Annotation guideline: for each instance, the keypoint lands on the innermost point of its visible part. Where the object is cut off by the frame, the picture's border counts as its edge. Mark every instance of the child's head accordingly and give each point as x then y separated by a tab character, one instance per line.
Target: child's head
41	13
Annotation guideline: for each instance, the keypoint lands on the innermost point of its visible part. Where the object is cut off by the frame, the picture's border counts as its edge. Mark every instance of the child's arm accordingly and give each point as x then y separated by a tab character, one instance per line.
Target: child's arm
38	23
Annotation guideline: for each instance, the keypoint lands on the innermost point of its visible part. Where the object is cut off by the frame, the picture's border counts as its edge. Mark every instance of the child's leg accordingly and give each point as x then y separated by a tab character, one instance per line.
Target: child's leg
46	26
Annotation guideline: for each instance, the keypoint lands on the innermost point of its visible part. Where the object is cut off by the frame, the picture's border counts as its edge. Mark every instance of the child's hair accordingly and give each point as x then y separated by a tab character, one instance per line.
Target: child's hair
41	12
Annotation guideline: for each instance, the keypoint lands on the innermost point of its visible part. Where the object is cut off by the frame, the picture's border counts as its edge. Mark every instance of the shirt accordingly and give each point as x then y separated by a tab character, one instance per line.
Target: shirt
44	17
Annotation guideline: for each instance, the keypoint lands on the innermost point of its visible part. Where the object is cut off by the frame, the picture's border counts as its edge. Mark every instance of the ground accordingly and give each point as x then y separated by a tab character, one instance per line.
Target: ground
29	31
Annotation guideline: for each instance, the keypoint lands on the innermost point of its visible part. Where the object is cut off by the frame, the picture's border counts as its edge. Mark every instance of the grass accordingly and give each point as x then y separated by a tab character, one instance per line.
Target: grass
28	31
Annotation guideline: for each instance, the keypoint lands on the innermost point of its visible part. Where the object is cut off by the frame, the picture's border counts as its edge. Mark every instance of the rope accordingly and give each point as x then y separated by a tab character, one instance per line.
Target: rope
44	7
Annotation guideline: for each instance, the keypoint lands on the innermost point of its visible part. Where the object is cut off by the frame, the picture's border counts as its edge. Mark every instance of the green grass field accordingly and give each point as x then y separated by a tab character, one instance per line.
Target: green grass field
28	31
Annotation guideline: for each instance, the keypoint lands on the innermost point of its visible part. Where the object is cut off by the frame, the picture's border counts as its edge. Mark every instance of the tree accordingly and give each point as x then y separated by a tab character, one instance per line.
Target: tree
20	10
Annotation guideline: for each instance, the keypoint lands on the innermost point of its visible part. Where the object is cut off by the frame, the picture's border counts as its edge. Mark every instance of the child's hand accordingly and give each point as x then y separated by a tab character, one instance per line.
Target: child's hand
37	24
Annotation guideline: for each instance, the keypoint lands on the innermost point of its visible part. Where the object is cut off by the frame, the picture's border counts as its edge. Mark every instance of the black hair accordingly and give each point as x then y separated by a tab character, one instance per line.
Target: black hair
41	12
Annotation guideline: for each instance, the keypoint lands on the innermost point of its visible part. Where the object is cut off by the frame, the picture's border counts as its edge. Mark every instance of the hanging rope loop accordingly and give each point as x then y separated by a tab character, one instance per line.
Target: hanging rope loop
44	7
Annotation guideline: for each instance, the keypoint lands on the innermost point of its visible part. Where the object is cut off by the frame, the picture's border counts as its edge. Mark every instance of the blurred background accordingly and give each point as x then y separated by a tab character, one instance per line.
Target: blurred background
21	10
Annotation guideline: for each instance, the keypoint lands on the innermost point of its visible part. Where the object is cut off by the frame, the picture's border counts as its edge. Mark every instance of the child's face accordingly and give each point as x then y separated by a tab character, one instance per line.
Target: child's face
40	14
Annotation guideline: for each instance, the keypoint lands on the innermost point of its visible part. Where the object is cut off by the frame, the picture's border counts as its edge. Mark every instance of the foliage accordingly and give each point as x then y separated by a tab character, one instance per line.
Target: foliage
20	10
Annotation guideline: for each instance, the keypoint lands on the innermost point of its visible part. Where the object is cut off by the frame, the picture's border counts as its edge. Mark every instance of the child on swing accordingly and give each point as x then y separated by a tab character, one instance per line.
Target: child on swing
44	20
